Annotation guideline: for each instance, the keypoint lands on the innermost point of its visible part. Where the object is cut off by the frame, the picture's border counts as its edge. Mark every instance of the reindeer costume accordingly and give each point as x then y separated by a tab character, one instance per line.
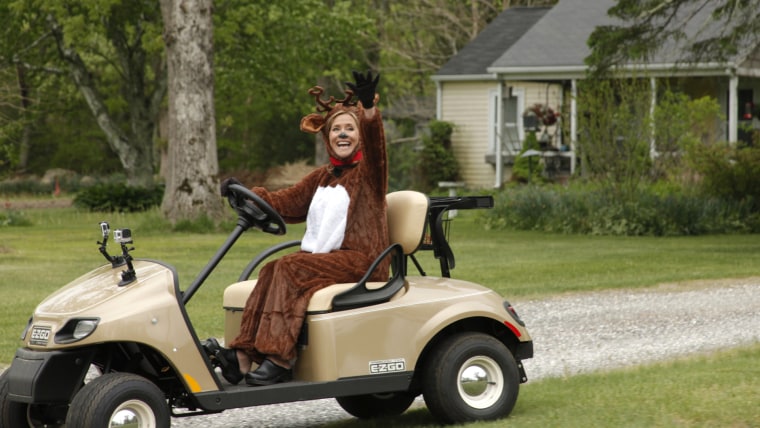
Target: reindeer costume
343	204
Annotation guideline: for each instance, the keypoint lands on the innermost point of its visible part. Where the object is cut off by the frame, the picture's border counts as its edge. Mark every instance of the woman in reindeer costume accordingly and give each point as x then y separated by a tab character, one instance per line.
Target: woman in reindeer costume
343	204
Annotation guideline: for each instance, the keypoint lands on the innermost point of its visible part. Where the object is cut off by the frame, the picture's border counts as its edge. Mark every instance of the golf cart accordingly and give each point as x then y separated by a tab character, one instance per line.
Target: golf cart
116	347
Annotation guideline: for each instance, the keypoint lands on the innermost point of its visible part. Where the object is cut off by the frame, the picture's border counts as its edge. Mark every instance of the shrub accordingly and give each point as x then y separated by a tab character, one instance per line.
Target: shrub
728	171
615	131
528	168
438	160
594	210
24	187
119	197
14	218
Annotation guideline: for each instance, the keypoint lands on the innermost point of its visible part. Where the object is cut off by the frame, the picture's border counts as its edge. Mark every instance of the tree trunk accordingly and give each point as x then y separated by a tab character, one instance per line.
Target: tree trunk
24	144
192	186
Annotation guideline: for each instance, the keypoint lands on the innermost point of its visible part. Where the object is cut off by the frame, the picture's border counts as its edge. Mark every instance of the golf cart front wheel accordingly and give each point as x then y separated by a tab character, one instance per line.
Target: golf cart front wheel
372	406
471	376
117	399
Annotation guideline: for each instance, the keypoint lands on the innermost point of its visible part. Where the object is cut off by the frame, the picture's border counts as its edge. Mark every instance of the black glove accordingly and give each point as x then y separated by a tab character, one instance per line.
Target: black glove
224	189
364	88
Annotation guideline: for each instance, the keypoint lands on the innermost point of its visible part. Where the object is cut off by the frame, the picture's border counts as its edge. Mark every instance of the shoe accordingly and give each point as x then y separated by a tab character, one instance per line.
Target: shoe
268	373
224	358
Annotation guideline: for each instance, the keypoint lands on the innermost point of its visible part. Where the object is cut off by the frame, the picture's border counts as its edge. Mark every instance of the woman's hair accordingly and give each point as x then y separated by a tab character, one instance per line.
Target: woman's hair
332	118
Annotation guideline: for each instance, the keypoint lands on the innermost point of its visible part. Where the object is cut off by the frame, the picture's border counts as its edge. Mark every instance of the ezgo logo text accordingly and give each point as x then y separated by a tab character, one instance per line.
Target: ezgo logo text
387	366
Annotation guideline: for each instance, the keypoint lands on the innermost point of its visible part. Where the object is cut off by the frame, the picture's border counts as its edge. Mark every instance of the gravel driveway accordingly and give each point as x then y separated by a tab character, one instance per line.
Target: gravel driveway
580	333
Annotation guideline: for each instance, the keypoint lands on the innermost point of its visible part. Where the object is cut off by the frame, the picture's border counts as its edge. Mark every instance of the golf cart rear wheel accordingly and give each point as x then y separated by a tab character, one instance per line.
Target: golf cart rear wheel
119	398
470	376
371	406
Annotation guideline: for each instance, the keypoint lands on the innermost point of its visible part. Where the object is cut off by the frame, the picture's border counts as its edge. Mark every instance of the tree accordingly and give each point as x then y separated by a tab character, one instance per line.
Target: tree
16	99
267	55
108	47
192	188
725	28
616	129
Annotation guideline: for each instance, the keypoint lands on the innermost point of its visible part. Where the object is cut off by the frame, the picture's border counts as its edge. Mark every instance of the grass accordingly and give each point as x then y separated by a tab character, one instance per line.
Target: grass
535	264
713	390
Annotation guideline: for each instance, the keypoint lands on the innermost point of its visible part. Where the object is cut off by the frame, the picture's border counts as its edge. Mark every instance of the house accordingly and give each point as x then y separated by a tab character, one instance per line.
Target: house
536	56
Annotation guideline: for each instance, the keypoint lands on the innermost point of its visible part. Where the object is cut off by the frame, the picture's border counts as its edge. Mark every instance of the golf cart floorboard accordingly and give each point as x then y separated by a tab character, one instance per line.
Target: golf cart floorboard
242	395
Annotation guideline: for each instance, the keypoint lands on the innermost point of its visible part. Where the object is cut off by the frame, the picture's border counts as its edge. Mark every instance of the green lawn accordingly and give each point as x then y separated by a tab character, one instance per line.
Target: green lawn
714	390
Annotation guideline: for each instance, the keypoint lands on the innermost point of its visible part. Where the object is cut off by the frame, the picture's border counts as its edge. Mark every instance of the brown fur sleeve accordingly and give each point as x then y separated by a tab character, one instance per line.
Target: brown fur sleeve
293	202
375	155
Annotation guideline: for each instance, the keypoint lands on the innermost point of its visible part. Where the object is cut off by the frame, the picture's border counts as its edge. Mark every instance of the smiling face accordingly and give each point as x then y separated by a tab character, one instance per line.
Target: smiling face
344	136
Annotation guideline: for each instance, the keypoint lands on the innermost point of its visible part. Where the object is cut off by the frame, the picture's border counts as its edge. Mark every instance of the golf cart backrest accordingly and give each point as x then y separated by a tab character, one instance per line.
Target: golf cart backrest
407	211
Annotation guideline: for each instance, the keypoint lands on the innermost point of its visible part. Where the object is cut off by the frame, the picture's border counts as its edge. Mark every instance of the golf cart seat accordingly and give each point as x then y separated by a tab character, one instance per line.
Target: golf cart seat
406	216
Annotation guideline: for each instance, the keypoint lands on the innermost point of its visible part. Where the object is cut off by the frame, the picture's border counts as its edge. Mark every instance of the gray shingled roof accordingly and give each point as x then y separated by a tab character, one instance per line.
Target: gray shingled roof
557	43
490	44
559	39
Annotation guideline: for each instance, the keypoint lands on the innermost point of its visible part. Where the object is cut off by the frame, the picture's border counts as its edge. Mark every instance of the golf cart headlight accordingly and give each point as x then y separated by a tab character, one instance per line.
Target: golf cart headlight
84	328
76	329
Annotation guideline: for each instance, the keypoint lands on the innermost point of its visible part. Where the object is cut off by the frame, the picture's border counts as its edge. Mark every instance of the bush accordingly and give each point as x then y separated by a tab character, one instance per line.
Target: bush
110	197
438	160
529	168
728	171
593	210
13	218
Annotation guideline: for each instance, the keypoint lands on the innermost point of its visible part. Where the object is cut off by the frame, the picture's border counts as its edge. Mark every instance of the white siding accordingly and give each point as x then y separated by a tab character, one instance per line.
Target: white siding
465	104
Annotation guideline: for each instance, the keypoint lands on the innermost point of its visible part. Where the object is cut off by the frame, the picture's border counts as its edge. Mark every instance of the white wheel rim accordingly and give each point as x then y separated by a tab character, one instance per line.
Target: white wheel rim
480	382
133	413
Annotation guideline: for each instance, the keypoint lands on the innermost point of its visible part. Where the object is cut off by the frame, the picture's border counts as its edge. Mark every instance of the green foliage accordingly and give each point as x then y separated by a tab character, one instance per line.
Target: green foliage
723	28
438	160
728	171
118	197
403	149
615	133
682	123
116	50
528	169
267	56
34	186
593	210
10	218
9	133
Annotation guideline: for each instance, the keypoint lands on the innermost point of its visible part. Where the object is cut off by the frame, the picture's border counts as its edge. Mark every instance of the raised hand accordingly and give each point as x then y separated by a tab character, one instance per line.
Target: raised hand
364	87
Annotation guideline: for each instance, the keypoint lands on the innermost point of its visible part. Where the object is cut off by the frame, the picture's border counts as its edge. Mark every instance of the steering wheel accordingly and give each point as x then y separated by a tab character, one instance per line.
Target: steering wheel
255	210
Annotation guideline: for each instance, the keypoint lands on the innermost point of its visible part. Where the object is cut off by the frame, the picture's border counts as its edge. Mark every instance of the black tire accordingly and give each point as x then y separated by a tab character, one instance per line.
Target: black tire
372	406
99	401
469	377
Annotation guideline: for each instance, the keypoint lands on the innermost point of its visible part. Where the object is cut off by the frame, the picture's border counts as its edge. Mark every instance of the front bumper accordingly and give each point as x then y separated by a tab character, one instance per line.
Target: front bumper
49	377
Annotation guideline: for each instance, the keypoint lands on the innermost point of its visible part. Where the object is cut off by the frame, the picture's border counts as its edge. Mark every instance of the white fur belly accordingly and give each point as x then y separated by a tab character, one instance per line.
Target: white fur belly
326	220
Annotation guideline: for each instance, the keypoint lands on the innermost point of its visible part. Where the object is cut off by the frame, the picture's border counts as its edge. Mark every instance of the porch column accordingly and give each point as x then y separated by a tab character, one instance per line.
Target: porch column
438	101
499	179
652	106
733	109
573	124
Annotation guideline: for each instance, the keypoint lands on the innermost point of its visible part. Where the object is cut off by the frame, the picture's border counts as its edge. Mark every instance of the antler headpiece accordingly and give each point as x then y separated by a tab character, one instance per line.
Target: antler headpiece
315	122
